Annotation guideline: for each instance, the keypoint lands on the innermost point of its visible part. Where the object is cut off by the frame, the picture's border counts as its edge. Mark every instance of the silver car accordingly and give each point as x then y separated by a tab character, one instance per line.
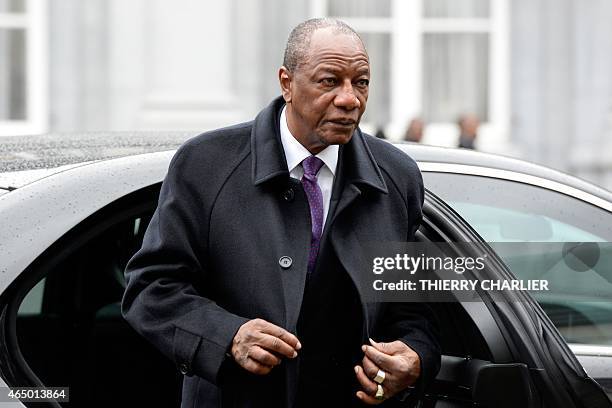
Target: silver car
68	232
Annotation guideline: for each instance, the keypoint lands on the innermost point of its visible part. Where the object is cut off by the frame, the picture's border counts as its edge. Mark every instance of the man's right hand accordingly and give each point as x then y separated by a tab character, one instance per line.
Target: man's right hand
258	346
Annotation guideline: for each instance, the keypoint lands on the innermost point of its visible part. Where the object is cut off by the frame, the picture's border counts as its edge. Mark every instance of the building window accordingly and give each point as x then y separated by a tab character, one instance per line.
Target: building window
433	58
23	67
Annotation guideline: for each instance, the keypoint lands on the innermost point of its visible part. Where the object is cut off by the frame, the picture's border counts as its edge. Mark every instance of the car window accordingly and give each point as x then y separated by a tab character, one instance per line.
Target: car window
578	302
75	307
32	303
514	225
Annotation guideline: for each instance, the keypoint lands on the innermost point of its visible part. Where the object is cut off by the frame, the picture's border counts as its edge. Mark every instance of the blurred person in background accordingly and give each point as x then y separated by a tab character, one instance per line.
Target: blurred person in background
380	132
468	130
414	133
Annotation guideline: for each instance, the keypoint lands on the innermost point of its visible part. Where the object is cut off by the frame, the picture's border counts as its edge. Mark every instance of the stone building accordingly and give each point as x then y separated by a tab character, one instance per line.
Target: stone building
537	73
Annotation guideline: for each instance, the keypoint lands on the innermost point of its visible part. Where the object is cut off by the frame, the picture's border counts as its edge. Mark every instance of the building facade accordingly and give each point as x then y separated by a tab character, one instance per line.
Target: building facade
538	74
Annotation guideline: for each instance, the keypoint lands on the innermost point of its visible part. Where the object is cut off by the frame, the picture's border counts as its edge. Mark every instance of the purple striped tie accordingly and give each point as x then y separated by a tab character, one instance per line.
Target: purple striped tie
311	166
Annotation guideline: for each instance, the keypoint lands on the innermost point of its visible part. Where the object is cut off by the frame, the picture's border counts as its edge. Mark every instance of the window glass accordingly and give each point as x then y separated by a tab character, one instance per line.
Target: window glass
359	8
579	302
455	76
71	332
12	6
456	8
12	74
32	303
379	99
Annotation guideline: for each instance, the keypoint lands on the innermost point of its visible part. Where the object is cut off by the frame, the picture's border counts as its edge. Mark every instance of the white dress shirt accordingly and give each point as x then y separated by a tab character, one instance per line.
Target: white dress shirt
296	153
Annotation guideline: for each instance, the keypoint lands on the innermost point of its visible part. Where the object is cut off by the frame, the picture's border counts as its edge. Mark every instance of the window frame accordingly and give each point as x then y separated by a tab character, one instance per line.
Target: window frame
34	22
129	205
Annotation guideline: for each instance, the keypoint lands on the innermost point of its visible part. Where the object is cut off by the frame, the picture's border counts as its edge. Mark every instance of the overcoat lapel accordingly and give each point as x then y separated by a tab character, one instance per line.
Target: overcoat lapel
269	170
358	173
358	176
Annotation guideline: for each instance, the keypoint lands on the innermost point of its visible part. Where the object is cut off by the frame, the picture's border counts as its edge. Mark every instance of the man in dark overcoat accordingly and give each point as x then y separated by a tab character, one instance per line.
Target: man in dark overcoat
247	274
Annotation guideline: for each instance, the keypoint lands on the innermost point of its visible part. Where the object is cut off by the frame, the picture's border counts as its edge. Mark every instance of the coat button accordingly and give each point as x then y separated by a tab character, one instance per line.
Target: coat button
184	369
288	195
285	262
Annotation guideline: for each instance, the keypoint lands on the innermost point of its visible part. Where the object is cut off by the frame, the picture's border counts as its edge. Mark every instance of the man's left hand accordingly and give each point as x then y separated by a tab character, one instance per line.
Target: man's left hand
401	364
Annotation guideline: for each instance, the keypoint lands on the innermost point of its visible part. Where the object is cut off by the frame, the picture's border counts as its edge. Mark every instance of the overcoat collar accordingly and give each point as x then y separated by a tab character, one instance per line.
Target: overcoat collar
269	162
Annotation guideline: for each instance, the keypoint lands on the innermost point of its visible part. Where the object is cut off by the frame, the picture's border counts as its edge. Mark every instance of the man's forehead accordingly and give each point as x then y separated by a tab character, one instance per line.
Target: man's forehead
330	39
327	44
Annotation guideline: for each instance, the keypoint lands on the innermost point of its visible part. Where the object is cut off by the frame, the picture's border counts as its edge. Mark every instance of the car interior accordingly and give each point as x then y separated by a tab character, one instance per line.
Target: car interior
70	332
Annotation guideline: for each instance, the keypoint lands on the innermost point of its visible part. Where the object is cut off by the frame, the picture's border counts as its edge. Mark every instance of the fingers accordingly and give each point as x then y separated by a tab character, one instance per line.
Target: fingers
280	333
399	362
263	357
255	367
368	399
257	361
380	359
274	338
389	348
276	345
370	387
369	367
367	384
258	346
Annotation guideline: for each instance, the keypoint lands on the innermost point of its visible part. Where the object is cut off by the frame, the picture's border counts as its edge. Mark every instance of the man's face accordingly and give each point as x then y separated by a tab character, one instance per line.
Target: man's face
327	93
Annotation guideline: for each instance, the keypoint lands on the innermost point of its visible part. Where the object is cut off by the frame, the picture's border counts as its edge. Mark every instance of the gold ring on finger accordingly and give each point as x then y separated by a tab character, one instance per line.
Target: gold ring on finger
380	393
380	377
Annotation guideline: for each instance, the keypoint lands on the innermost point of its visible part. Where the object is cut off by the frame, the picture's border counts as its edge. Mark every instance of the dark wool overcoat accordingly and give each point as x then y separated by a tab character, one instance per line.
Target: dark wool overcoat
228	212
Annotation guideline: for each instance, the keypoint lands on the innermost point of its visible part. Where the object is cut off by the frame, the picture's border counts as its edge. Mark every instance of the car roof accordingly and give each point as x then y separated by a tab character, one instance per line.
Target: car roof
30	158
26	159
424	154
43	211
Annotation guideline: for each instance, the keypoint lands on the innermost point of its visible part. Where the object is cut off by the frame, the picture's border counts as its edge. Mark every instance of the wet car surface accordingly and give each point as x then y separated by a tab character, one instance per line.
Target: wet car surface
73	228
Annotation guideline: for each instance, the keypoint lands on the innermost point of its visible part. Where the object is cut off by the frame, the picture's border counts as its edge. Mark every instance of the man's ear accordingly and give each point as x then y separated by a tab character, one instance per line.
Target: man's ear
285	78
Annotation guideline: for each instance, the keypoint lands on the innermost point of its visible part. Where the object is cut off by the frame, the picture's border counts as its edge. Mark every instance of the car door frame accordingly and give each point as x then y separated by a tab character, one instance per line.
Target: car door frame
530	334
593	358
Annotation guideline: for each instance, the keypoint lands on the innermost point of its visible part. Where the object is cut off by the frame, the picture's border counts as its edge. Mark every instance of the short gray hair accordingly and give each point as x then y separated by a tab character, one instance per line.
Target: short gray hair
298	42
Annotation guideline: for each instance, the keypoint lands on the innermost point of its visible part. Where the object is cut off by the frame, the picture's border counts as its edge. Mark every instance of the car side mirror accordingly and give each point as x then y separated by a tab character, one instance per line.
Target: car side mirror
503	386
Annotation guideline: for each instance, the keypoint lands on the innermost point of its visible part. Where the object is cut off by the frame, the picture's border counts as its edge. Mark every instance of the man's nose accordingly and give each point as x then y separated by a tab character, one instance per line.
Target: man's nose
346	97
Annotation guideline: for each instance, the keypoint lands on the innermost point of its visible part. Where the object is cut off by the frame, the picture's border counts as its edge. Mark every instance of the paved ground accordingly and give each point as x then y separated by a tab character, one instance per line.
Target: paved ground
53	150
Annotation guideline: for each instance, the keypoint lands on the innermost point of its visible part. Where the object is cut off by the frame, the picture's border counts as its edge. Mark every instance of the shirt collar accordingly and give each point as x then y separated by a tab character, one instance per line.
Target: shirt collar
296	153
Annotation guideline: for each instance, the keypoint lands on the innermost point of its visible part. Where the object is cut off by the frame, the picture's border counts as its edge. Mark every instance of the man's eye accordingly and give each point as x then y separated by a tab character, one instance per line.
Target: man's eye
363	82
328	81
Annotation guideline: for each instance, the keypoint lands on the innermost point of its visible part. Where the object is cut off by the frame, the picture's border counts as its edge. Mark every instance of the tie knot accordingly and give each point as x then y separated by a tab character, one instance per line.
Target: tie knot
312	165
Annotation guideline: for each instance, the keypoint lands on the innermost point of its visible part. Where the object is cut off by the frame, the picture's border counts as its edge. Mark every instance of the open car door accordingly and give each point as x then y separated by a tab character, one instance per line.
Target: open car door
500	353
